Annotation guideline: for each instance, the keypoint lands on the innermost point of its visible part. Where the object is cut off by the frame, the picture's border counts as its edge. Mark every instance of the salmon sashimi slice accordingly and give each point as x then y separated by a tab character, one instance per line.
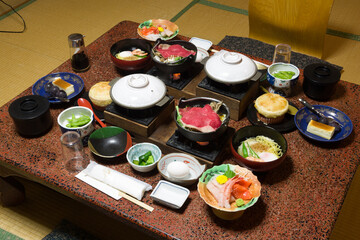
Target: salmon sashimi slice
240	191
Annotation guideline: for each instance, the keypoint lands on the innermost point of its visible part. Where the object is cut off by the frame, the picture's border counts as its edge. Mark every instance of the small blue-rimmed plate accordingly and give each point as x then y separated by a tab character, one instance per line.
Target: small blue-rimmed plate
304	115
38	87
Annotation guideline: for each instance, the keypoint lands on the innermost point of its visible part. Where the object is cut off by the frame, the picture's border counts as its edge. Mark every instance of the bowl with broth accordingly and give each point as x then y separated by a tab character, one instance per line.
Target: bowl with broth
131	54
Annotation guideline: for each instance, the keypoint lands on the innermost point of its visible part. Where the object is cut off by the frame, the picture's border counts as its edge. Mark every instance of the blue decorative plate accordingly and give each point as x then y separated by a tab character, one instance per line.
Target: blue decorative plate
303	117
38	87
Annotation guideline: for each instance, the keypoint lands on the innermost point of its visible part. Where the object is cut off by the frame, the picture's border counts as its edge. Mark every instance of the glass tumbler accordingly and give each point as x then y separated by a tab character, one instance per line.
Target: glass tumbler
282	53
74	157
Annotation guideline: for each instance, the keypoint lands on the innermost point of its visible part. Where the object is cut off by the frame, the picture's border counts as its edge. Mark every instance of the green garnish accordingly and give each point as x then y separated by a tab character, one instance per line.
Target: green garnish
178	118
229	173
145	159
252	152
284	74
245	151
239	202
78	122
140	56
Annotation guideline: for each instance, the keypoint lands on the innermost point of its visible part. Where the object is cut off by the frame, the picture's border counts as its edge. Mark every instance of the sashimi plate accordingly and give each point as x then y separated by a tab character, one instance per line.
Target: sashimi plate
158	23
38	87
304	115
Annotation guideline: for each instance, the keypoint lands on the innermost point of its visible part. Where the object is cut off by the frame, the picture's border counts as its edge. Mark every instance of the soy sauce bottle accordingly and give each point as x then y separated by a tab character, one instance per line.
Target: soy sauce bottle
78	55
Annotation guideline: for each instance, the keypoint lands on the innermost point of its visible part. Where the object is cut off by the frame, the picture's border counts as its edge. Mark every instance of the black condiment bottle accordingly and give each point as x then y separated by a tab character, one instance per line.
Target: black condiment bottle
78	55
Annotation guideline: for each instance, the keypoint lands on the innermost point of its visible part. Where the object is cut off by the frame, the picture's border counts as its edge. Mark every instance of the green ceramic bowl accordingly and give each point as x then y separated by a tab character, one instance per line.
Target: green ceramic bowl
223	213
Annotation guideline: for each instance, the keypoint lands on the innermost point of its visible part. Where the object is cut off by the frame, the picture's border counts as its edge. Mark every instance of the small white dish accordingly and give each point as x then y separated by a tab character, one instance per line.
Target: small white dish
195	168
201	43
77	111
201	54
139	149
170	194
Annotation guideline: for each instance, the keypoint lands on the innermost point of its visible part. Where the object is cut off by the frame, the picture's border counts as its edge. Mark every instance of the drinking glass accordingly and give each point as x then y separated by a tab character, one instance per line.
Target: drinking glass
74	157
282	53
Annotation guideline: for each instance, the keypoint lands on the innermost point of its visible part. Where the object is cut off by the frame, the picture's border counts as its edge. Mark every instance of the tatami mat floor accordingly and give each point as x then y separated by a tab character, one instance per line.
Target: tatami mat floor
28	56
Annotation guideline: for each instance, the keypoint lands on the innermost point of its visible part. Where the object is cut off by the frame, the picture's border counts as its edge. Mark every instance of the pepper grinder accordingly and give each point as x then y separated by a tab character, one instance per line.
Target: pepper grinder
78	55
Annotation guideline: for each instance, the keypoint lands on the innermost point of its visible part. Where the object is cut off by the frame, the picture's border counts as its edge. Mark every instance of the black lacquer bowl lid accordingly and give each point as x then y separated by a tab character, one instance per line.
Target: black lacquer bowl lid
31	115
321	74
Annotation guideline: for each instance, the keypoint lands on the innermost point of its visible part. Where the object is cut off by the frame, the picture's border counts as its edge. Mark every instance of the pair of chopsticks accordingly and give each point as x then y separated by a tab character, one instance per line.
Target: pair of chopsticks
137	202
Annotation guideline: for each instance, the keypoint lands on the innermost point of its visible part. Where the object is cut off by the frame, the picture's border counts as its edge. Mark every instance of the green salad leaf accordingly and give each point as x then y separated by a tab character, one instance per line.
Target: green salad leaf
229	173
178	118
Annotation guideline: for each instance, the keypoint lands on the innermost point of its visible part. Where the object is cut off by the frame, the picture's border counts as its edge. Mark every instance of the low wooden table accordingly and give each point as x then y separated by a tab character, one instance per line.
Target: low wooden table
300	199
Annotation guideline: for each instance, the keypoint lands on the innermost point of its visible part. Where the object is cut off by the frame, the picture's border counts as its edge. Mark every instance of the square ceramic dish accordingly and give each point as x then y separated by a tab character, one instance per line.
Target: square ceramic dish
201	43
170	194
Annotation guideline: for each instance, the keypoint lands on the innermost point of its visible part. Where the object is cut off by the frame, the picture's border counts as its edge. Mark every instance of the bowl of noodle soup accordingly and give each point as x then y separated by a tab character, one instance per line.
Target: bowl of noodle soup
131	54
259	148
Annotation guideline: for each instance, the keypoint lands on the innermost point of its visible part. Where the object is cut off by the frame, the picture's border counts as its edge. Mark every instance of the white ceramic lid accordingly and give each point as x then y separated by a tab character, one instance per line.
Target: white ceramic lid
138	91
230	67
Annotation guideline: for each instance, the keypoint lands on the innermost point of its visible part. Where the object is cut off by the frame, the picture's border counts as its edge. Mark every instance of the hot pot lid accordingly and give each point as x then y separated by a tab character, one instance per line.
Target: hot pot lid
28	107
321	74
230	67
138	91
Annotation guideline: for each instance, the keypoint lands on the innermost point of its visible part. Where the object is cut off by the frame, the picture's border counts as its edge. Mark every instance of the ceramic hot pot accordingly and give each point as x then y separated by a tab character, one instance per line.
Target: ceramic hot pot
179	67
201	136
138	91
230	67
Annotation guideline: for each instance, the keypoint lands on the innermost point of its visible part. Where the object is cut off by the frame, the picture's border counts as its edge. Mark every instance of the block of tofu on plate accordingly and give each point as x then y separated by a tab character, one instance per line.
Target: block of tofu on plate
320	129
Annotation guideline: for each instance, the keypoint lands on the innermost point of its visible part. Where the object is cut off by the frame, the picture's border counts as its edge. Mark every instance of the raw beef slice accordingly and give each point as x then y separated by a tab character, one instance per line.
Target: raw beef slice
203	119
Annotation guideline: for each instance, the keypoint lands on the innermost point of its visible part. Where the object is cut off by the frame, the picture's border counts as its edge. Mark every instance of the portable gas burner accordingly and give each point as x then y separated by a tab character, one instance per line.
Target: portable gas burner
209	153
237	96
177	80
142	122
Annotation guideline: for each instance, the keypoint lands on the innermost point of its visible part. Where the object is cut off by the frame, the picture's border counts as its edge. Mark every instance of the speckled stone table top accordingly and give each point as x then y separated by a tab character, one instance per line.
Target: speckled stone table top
300	199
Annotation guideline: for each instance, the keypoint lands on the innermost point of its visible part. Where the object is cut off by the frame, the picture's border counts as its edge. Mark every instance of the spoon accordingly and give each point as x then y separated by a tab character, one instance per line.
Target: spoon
58	98
85	103
324	119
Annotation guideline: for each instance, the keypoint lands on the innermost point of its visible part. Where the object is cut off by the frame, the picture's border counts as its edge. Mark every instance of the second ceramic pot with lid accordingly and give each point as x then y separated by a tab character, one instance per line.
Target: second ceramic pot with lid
138	91
230	67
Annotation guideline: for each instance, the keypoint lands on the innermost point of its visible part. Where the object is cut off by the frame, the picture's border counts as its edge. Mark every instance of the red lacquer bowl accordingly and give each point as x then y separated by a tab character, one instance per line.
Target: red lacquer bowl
131	44
253	131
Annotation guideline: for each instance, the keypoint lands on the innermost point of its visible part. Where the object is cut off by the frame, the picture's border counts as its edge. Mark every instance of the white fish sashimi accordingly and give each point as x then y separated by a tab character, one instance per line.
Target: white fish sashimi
215	188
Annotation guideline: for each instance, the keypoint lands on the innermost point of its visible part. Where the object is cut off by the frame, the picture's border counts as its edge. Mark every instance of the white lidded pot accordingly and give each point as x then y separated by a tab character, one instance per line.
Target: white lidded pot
230	67
138	91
